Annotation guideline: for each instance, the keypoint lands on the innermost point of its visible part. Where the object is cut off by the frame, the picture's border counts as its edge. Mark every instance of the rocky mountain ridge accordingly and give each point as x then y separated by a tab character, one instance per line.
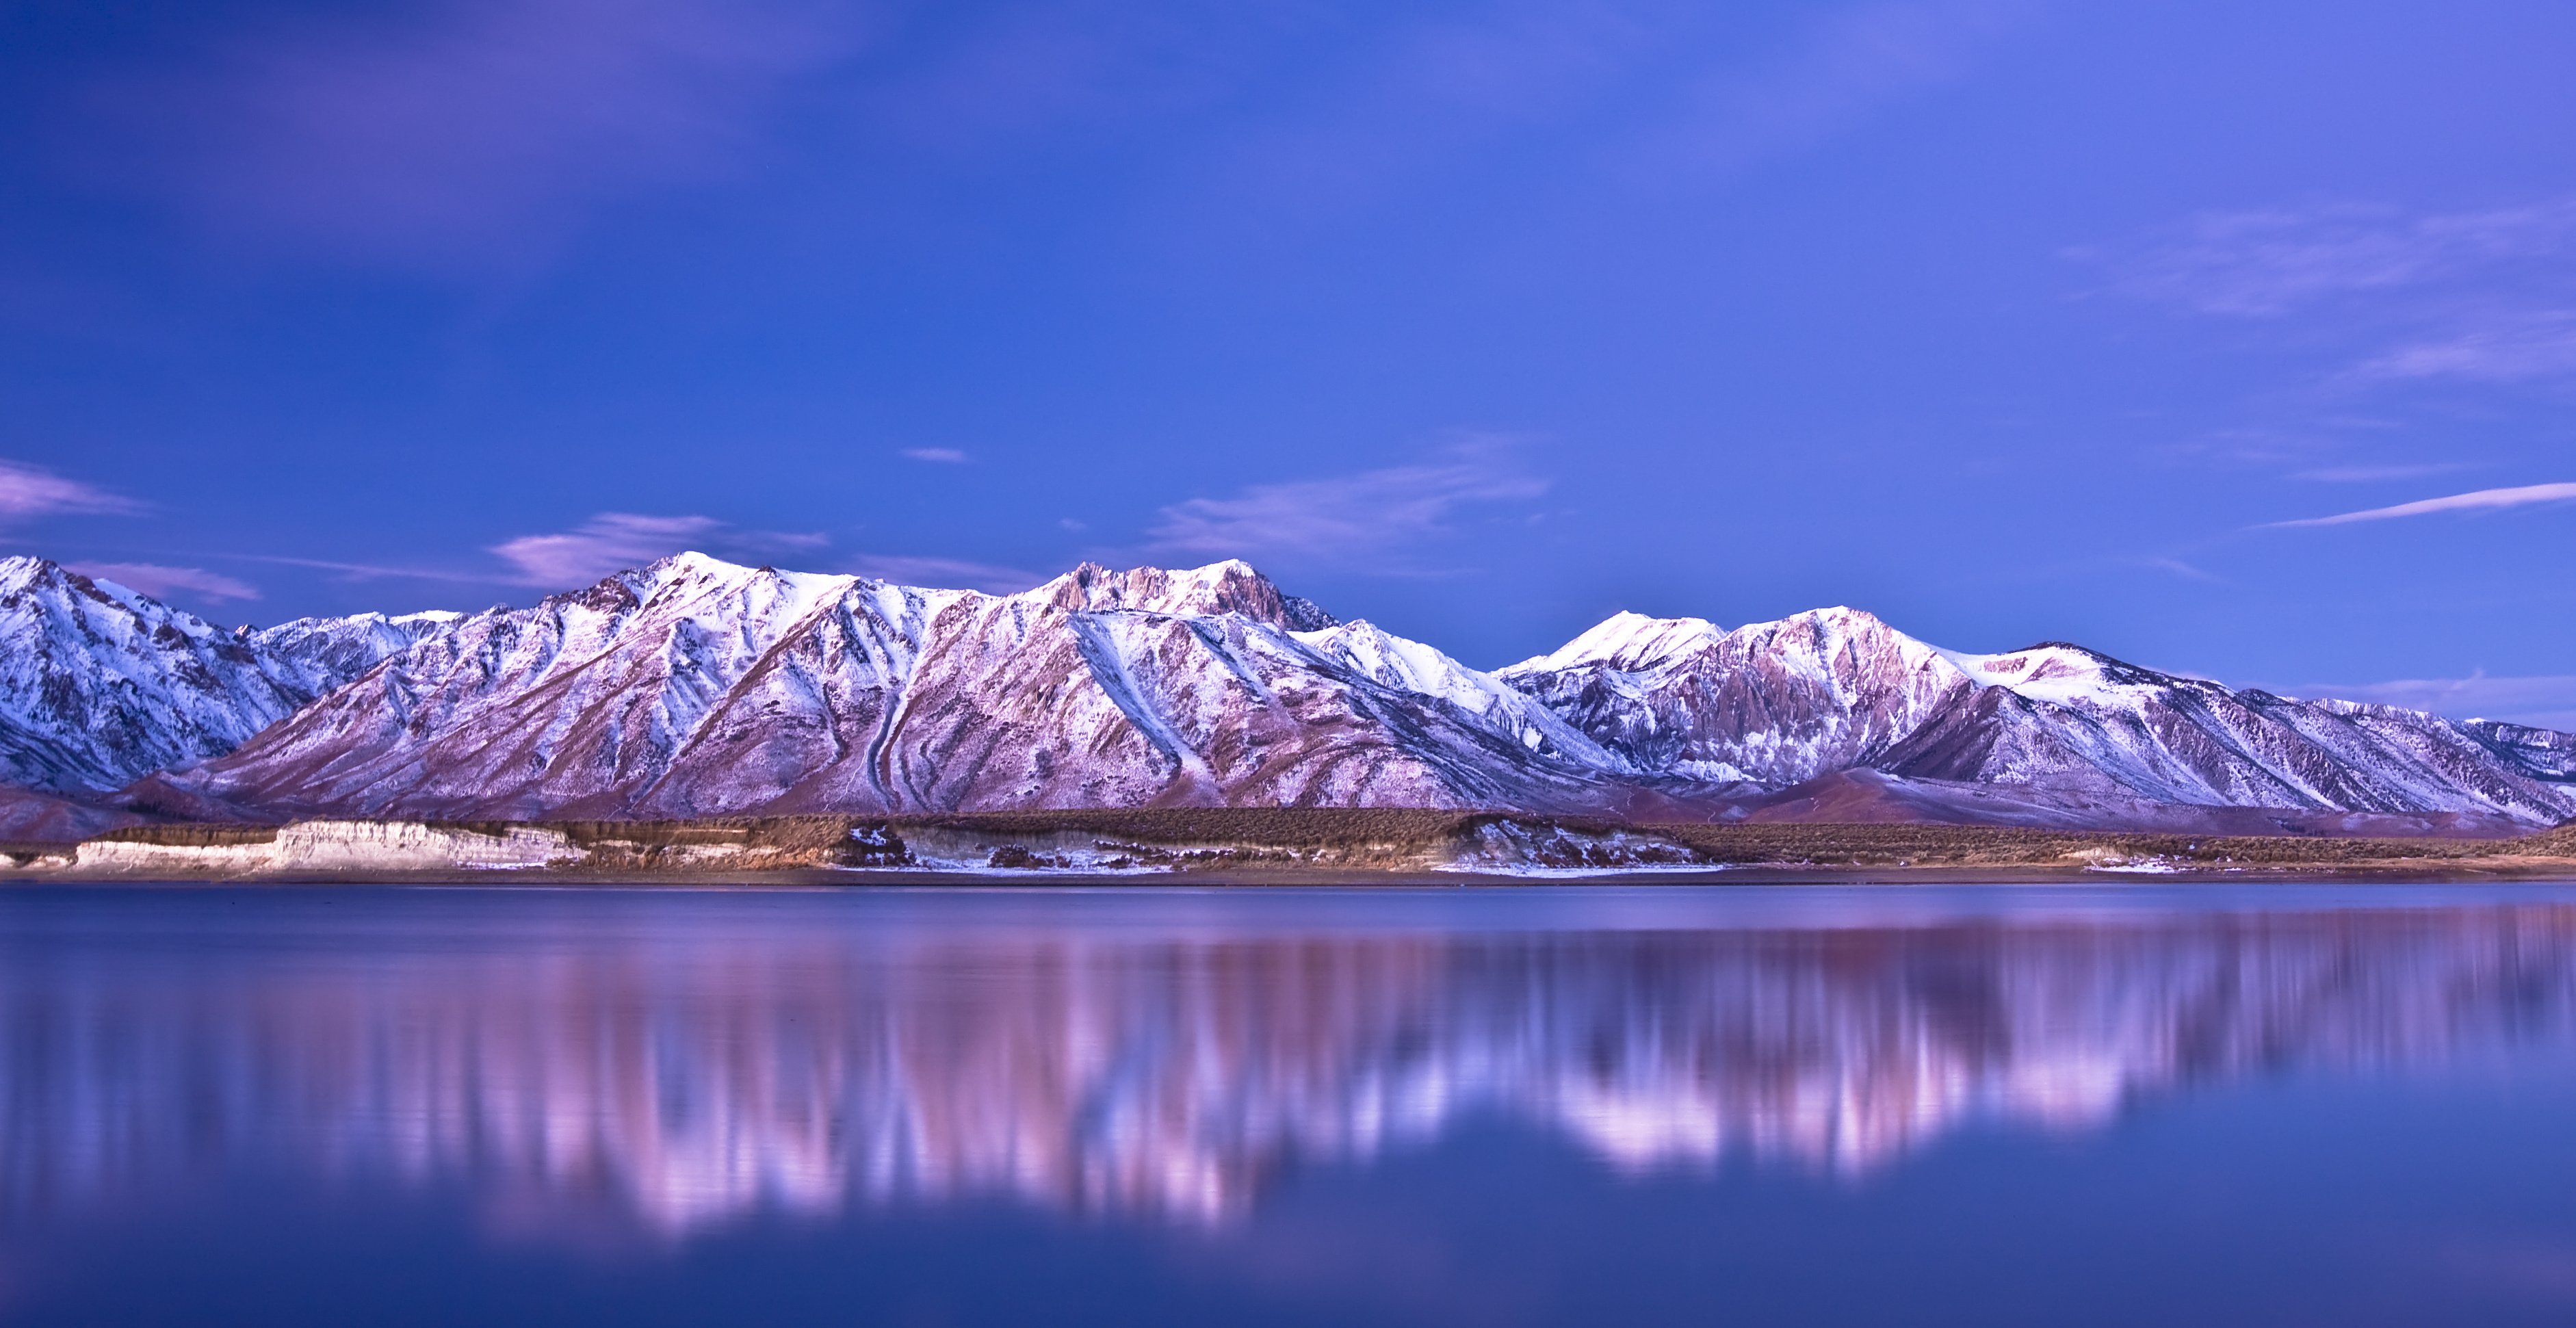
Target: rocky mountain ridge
695	687
101	686
1834	690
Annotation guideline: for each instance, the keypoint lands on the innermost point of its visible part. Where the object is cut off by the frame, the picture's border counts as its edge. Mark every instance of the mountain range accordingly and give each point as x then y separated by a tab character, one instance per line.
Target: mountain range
695	687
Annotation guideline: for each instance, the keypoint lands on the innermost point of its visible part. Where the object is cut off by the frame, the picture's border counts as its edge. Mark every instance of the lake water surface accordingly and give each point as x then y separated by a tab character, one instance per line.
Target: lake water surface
2125	1104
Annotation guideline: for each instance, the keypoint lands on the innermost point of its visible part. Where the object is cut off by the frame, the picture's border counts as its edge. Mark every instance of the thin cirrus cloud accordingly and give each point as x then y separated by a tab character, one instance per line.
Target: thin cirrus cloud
2187	571
2266	263
2379	474
614	542
2520	349
1376	520
1681	94
359	572
946	573
1849	66
939	456
32	491
2482	500
467	127
161	582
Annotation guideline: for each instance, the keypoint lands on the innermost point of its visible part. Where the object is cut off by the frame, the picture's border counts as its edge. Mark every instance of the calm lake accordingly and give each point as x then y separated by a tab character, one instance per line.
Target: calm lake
2114	1104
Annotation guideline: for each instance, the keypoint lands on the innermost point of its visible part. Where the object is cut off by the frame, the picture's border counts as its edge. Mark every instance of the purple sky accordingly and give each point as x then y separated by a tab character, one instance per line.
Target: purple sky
2238	339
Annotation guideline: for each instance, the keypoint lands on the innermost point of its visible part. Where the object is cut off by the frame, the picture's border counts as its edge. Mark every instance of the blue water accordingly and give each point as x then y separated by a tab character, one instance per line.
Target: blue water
2126	1104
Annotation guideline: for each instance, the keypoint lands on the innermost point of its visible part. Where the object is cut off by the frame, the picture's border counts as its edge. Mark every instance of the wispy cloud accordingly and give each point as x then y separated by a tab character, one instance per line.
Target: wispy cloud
1848	66
32	491
2186	571
2266	263
1675	94
945	573
161	582
615	541
2254	447
2547	701
378	571
1376	520
608	543
2519	348
943	456
2380	474
459	127
2482	500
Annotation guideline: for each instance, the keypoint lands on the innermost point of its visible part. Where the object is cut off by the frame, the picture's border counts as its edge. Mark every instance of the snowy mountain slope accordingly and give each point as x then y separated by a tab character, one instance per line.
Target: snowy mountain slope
1231	586
581	703
320	654
696	687
100	686
1776	704
1771	704
1410	666
2067	716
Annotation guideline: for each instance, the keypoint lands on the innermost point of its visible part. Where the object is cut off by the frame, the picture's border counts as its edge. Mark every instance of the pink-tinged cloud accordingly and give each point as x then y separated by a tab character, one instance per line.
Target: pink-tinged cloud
349	571
161	582
465	129
608	543
946	573
32	491
1376	520
614	542
2482	500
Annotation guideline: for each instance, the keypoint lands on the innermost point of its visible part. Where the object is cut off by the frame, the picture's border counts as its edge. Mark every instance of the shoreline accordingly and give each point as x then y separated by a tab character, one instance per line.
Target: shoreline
1240	848
1767	875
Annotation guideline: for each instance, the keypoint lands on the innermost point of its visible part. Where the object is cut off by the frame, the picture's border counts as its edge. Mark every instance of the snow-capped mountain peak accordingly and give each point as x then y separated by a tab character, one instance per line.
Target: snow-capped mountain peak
1630	642
2058	672
100	685
1838	689
1231	586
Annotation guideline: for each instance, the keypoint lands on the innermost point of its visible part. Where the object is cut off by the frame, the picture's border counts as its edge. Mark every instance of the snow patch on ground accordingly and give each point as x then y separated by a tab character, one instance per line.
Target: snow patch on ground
1511	848
2149	867
340	846
1578	873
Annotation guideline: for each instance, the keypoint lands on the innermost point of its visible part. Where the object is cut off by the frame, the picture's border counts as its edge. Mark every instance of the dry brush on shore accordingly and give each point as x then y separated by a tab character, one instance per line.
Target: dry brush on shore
1370	842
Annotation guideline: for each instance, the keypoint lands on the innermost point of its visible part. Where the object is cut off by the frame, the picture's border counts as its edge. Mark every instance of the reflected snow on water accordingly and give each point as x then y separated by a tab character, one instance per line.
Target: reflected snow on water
682	1062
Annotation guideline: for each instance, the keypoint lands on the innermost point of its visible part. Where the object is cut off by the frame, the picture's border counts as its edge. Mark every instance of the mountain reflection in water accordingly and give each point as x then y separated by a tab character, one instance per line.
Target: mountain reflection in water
684	1064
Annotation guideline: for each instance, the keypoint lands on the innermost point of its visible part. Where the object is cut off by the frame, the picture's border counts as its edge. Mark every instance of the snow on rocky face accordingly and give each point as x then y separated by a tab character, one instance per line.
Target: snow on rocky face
1227	587
100	686
696	687
1780	703
2065	715
1771	704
